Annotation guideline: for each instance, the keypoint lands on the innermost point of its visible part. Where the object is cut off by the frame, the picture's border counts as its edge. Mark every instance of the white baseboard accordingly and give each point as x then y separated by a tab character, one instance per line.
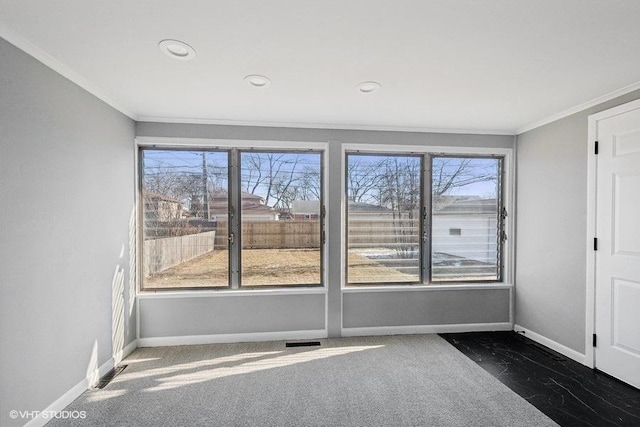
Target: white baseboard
426	329
75	391
119	356
553	345
231	338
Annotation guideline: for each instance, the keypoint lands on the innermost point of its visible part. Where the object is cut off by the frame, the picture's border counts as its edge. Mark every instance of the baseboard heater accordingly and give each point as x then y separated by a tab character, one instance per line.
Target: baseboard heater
303	344
549	353
106	379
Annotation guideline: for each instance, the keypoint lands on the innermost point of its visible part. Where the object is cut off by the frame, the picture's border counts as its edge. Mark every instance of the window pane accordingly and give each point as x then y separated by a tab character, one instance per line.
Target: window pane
465	205
383	218
281	222
185	219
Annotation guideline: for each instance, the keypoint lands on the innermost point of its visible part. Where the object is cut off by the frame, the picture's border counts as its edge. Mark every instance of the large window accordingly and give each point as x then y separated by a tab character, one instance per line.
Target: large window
411	224
281	218
384	221
466	219
230	218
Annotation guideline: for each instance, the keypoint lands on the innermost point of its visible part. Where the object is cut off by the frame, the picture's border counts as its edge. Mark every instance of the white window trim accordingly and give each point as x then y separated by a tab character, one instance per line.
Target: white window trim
168	142
225	144
508	200
435	287
508	184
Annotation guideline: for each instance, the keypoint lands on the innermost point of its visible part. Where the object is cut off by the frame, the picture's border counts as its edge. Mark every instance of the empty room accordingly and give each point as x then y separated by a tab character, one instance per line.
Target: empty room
320	213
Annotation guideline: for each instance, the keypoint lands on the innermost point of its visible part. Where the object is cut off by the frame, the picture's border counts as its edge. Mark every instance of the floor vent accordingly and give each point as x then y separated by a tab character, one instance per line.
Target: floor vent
303	344
106	379
542	349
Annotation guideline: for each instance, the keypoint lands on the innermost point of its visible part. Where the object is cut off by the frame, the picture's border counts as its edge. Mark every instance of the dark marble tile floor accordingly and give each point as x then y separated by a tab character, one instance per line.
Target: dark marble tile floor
566	391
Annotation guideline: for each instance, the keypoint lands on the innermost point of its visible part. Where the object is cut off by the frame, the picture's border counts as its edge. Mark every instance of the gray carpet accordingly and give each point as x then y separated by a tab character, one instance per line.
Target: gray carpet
409	380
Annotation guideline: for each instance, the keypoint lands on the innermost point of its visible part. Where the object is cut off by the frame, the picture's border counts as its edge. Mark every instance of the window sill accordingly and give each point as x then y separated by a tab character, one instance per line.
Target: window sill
206	293
426	288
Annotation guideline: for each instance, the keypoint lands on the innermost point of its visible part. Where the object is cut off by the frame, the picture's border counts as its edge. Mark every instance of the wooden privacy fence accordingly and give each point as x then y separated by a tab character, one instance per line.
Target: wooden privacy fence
274	234
161	254
388	233
306	234
281	234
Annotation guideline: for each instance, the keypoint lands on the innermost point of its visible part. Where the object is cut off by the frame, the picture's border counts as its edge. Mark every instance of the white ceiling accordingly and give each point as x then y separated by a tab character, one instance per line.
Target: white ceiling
489	66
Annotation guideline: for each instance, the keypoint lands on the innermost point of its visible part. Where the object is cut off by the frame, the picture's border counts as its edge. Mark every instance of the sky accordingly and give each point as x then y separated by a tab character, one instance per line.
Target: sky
190	162
285	165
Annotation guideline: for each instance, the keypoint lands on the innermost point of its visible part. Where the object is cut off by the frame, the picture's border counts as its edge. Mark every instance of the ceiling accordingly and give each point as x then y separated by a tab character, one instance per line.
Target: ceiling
498	66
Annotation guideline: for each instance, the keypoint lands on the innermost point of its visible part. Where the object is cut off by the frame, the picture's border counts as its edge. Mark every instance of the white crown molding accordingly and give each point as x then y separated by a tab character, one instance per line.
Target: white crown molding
581	107
25	45
330	126
51	62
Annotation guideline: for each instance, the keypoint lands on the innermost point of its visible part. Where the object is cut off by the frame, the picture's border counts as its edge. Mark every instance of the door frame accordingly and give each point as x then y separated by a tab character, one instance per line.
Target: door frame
592	205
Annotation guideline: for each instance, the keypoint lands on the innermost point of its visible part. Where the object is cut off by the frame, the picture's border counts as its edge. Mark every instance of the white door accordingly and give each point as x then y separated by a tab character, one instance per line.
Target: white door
617	281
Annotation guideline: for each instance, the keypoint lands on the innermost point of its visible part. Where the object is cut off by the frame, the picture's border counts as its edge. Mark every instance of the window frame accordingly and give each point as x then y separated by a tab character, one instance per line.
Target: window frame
422	266
141	216
507	196
237	198
233	148
500	222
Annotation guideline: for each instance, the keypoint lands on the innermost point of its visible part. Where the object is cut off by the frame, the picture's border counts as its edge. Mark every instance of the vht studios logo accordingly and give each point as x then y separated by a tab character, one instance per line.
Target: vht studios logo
47	415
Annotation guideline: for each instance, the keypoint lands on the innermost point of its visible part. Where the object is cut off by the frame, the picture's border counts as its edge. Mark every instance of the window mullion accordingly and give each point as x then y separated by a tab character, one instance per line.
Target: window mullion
502	214
235	237
426	219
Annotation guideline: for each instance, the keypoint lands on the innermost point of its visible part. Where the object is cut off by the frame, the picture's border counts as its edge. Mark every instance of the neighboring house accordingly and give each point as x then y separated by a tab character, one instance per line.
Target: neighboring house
158	207
465	227
373	227
219	197
254	207
305	210
360	211
251	212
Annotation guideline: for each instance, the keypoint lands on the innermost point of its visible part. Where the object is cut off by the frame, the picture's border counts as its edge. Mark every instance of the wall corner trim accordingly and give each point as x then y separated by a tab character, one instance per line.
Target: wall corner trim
553	345
74	392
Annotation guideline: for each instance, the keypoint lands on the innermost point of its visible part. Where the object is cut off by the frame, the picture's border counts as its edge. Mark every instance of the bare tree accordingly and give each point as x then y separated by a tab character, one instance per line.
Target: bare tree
364	178
276	176
252	173
309	185
450	172
400	192
281	181
179	185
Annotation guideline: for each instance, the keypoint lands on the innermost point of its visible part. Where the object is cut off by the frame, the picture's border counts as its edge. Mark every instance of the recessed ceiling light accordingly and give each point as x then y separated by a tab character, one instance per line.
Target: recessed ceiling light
257	80
368	87
177	50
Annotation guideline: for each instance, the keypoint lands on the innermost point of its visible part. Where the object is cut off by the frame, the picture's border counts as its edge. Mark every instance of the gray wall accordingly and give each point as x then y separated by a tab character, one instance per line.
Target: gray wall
434	307
238	314
402	308
66	185
551	243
